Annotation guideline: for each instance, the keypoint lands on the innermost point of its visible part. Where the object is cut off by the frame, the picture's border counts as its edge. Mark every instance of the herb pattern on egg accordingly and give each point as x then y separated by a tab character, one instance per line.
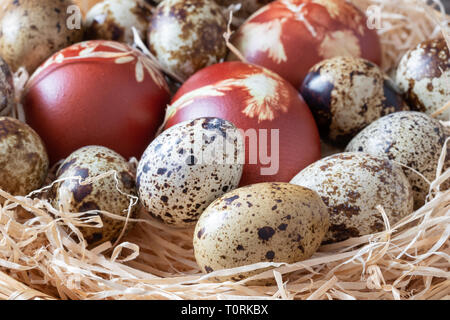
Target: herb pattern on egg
423	75
32	30
410	138
184	169
7	101
352	185
346	94
187	35
114	19
23	158
97	194
265	222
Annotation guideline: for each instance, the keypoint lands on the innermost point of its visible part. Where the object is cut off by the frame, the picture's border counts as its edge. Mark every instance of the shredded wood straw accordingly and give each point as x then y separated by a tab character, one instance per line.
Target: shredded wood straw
409	260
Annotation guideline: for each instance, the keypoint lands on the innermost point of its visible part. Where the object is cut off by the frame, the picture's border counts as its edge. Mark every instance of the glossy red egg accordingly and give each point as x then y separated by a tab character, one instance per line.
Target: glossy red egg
290	36
280	132
96	93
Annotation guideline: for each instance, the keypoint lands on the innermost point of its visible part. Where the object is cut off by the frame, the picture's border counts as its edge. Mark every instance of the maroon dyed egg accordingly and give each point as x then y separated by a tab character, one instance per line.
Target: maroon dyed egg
96	93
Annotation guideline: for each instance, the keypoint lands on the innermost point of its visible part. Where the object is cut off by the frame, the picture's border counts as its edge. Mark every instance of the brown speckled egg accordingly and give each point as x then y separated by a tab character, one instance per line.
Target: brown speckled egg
184	169
352	185
346	94
113	20
410	138
32	30
6	88
97	194
423	75
187	35
265	222
23	158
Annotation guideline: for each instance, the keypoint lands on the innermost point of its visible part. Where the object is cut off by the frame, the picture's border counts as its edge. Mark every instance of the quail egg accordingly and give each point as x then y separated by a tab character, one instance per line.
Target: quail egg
410	138
83	189
265	222
32	30
23	158
187	167
187	35
6	88
423	75
346	94
113	20
352	185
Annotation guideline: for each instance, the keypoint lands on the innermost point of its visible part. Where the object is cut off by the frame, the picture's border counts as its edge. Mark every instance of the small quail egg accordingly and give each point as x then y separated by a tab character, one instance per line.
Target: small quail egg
352	185
265	222
410	138
6	87
113	20
187	35
187	167
23	159
99	193
346	94
423	75
32	30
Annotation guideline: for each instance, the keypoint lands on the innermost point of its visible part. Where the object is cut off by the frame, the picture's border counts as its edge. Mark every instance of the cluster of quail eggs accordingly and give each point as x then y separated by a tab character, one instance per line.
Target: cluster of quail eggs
189	175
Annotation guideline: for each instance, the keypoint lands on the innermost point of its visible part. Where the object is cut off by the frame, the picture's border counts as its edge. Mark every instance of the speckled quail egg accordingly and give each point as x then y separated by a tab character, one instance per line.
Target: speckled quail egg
112	193
410	138
265	222
187	35
113	20
32	30
23	158
423	75
346	94
352	185
6	87
187	167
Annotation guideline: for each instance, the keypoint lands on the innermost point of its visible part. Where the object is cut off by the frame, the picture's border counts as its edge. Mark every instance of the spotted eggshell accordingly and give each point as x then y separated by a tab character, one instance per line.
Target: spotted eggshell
265	222
114	19
183	170
346	94
6	87
423	75
410	138
187	35
23	159
32	30
100	193
352	185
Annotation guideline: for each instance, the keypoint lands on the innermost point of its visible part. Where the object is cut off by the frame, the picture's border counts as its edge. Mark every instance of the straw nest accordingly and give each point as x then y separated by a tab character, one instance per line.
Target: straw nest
409	260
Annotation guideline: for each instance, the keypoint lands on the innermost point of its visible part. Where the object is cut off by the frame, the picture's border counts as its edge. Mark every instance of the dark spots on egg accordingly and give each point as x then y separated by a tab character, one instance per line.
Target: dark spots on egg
127	180
89	206
282	227
161	171
341	232
266	233
270	255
